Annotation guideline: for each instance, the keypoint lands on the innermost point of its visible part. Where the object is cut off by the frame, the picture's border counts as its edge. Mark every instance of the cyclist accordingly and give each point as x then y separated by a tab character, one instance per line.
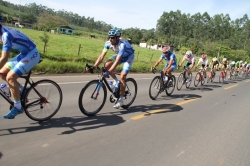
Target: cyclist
232	68
124	53
214	65
224	65
189	57
17	66
170	58
204	64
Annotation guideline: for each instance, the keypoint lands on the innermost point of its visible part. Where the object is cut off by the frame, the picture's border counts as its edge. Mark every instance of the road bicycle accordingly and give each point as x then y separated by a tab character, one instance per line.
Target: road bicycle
157	85
40	100
211	76
182	79
199	78
93	95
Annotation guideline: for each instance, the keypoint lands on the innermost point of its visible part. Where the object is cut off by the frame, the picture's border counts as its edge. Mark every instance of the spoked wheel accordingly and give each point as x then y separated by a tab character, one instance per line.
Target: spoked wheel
92	98
130	92
180	81
210	76
197	79
190	81
42	100
170	85
155	87
221	79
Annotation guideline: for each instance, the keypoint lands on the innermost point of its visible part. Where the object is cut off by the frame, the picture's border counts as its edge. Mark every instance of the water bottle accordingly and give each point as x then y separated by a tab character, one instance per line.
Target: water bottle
165	78
5	89
117	85
111	85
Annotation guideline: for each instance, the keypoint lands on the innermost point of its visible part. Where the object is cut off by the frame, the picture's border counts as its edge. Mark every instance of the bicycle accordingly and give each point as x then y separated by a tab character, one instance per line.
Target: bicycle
159	86
211	76
199	78
36	98
182	79
96	91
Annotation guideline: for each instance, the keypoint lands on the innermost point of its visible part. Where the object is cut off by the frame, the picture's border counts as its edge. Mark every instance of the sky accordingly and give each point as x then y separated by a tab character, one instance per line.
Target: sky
142	14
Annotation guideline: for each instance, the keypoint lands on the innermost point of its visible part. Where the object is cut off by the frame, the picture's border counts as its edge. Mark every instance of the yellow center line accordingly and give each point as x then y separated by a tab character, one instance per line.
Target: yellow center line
162	110
231	87
248	81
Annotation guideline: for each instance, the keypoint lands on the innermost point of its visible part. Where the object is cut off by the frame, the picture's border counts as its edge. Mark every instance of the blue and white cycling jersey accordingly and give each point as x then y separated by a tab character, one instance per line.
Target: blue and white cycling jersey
29	55
168	58
14	39
123	48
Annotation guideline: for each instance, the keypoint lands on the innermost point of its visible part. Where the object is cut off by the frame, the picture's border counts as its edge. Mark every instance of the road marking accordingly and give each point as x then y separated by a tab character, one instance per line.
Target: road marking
248	81
230	87
162	110
45	145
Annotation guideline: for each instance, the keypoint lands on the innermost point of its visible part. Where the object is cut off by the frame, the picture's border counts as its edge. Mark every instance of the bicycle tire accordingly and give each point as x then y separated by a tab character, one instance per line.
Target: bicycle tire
197	79
130	93
189	83
180	81
155	84
87	102
44	98
171	83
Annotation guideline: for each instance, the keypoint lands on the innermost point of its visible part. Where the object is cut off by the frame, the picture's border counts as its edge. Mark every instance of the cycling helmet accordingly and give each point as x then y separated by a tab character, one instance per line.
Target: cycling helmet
224	59
165	49
189	53
215	59
245	62
204	56
241	62
114	32
233	62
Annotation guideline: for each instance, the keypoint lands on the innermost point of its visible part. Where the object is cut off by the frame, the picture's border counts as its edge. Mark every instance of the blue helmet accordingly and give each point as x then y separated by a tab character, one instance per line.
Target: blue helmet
114	32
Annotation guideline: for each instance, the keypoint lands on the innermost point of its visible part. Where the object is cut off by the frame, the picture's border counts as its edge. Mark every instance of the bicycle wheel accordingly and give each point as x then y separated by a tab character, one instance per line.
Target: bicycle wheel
212	79
180	81
197	79
130	92
171	85
42	100
155	87
221	79
210	76
190	81
92	97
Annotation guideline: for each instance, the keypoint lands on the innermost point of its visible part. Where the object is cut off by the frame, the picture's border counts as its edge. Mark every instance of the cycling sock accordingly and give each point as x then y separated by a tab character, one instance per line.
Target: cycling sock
121	98
17	104
116	79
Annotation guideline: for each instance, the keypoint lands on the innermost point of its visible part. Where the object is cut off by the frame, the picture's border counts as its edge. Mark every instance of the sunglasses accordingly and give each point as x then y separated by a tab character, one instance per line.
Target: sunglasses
112	37
166	52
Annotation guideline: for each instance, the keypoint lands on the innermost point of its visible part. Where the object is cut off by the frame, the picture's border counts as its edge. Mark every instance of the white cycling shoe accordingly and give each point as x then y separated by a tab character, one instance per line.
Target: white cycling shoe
118	104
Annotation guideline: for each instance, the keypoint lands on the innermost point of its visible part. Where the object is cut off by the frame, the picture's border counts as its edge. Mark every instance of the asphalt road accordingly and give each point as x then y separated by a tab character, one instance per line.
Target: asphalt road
207	125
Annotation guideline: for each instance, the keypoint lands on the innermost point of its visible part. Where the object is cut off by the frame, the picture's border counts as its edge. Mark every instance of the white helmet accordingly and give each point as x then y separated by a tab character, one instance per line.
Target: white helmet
233	62
241	62
189	53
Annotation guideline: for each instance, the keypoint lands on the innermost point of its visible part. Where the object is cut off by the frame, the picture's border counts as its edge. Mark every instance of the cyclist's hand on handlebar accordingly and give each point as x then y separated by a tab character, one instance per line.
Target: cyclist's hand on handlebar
152	68
106	74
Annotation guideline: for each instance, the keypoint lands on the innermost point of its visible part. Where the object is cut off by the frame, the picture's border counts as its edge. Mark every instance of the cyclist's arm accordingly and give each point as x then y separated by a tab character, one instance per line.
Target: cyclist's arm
4	58
157	63
100	58
181	62
117	60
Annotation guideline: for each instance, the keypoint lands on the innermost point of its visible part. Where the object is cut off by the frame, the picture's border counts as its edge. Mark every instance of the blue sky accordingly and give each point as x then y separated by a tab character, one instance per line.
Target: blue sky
142	14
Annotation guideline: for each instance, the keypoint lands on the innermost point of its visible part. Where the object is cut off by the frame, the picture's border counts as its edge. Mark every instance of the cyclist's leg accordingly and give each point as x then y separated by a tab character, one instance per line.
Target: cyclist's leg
125	70
18	66
108	64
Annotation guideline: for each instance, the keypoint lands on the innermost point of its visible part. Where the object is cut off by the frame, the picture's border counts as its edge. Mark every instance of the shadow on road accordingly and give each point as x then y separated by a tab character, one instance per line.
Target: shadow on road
87	123
184	96
1	155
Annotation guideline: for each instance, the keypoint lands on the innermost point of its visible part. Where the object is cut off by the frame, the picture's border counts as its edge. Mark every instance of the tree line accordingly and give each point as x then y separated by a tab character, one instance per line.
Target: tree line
216	35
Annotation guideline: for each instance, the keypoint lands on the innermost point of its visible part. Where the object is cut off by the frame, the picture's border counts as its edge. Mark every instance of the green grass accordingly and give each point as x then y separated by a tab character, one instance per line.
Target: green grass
61	55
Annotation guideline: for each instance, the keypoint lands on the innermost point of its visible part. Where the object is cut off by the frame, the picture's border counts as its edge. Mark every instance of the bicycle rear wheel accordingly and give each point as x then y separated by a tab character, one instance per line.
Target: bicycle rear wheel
197	79
130	92
180	81
155	87
42	100
170	85
92	98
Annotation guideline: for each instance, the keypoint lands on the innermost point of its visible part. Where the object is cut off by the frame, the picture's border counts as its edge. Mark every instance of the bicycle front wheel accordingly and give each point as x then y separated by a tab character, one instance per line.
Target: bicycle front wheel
170	85
92	97
190	81
197	79
155	87
42	100
180	81
130	92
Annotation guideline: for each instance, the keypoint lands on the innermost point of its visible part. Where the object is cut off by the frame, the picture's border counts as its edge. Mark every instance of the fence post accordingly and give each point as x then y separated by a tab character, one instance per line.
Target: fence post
138	55
79	49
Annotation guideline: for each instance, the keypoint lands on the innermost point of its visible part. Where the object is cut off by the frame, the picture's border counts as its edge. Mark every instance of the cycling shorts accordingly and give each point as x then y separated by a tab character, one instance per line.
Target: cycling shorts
23	62
173	67
128	61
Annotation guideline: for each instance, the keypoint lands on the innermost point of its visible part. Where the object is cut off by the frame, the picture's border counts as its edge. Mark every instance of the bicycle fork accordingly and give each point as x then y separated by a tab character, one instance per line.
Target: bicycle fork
96	91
